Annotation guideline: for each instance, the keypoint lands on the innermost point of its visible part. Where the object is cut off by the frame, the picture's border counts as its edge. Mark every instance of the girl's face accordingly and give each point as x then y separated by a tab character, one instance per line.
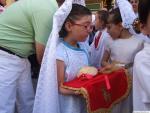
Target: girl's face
145	28
98	22
114	30
80	29
134	4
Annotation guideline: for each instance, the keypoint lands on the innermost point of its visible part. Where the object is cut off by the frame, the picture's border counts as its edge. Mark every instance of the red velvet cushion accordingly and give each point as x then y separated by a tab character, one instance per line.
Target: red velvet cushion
98	95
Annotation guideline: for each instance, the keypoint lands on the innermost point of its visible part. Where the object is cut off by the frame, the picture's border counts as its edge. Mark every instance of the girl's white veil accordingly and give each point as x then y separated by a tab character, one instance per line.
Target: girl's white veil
127	14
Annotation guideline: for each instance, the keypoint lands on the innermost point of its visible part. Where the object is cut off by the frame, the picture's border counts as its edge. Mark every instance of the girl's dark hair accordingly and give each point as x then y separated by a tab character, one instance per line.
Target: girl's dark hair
116	16
103	15
143	10
77	12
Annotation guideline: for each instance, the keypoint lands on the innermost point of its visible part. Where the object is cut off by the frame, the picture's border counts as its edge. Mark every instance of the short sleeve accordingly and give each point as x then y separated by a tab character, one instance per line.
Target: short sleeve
61	53
107	43
42	25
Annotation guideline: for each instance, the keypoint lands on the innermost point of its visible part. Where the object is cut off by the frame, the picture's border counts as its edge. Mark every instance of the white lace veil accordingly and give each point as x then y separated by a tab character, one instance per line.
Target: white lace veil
127	14
46	99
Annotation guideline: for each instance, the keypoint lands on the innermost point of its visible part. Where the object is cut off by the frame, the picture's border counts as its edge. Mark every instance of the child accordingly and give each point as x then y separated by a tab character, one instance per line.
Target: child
120	50
134	4
97	46
141	68
71	56
140	36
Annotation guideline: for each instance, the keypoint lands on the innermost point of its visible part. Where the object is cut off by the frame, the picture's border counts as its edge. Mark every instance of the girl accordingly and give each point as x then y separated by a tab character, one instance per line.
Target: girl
121	50
71	56
49	94
134	4
97	46
141	68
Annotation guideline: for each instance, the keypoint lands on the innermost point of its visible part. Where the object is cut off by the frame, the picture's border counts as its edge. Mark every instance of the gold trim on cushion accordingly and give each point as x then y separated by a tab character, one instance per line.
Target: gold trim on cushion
83	91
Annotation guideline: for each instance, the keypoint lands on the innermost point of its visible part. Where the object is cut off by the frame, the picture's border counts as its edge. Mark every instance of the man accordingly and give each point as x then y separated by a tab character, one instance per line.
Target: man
141	69
24	29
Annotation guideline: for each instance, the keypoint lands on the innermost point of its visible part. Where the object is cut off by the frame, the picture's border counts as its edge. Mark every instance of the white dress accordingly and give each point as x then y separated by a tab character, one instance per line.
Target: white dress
96	53
124	51
141	80
74	59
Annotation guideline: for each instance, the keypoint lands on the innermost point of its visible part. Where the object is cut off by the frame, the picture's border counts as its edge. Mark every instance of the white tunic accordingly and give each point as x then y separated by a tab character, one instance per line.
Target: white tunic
124	51
141	80
74	59
96	54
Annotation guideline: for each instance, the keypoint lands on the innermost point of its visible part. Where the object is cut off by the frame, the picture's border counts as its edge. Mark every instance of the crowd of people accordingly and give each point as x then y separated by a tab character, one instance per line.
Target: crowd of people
59	37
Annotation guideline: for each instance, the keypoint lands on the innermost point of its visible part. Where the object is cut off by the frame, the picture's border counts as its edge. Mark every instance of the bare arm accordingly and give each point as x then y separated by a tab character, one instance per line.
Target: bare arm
39	51
61	78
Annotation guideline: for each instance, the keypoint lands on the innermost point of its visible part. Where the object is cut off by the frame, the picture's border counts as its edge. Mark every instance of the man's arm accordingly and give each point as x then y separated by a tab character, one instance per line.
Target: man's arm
39	51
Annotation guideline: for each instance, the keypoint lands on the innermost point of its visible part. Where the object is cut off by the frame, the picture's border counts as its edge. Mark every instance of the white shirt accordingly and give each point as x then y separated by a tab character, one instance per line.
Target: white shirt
74	58
96	53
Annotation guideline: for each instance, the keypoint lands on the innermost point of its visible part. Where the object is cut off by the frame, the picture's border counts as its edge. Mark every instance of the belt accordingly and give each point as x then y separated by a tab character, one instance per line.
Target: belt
126	66
129	65
10	52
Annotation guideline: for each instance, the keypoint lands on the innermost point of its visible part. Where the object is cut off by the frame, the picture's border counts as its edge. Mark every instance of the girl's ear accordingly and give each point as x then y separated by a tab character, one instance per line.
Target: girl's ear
68	26
120	24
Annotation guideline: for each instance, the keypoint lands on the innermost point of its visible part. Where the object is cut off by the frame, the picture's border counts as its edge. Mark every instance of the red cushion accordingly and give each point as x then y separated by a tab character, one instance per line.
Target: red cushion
98	95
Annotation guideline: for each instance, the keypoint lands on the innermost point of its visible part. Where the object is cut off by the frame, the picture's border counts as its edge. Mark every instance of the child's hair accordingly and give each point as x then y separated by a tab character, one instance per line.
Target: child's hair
103	15
76	13
116	16
136	25
143	10
130	0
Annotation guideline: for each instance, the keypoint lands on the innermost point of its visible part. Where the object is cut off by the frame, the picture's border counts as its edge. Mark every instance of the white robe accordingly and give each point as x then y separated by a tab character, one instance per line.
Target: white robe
141	80
124	51
46	99
96	54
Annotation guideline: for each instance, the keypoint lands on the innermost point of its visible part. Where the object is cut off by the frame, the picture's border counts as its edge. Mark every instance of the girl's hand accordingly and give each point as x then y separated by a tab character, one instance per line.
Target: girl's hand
106	68
66	91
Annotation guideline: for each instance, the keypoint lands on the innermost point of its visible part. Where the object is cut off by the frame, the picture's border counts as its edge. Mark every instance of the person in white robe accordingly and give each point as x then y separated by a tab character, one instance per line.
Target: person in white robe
98	44
141	68
124	46
48	99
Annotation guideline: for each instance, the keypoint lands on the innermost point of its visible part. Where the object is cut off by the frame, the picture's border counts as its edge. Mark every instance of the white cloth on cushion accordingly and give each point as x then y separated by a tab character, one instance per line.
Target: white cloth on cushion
46	99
